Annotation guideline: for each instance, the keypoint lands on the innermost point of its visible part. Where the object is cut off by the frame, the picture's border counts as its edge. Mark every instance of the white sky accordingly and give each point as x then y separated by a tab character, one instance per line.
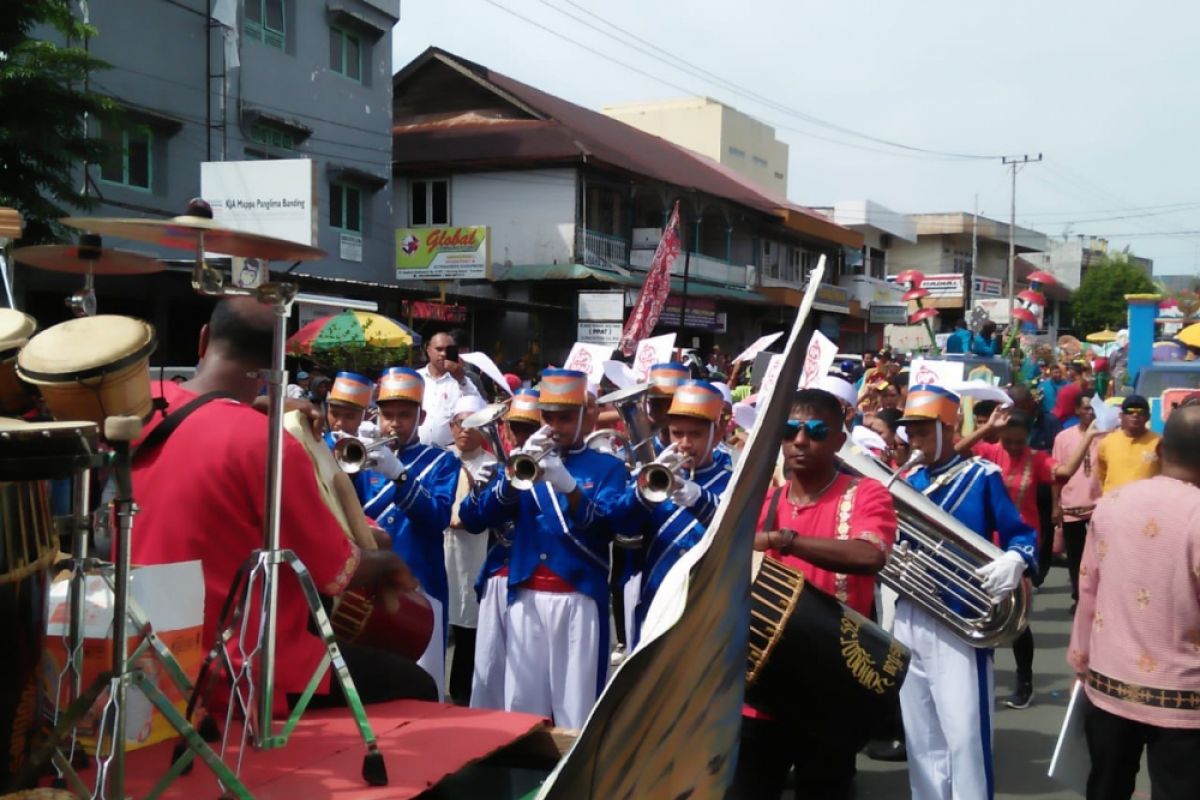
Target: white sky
1106	90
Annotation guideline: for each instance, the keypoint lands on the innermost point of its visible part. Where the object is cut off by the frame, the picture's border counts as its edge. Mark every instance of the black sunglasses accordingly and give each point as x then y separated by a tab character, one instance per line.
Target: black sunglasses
815	429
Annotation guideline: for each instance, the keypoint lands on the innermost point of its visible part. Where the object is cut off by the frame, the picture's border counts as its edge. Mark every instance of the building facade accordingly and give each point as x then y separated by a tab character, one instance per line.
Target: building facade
295	80
713	129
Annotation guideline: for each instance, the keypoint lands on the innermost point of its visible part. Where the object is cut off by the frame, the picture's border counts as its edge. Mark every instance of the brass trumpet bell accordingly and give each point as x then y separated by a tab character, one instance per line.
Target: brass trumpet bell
351	452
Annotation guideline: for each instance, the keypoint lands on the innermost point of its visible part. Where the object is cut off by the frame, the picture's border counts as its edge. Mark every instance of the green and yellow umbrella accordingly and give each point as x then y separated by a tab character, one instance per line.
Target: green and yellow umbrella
360	340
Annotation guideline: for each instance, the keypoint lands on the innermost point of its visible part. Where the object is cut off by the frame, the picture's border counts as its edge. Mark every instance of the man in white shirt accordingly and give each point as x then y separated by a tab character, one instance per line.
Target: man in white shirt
445	382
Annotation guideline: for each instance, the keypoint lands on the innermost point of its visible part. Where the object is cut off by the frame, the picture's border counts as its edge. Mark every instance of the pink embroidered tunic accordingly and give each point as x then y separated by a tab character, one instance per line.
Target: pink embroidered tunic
1136	637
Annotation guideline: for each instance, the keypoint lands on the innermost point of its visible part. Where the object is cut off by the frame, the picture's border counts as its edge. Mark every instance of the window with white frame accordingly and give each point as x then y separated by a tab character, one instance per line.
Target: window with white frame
345	207
429	202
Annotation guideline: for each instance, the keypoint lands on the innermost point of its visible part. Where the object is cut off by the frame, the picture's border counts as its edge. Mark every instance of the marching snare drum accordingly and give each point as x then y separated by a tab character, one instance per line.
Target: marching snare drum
15	330
814	660
30	455
92	368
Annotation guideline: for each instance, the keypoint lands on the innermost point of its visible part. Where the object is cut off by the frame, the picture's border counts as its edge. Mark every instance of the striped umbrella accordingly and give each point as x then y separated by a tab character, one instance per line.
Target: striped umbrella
351	330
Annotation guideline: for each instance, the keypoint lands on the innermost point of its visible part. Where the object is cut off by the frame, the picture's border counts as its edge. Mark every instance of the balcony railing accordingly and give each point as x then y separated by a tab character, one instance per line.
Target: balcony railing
600	249
700	266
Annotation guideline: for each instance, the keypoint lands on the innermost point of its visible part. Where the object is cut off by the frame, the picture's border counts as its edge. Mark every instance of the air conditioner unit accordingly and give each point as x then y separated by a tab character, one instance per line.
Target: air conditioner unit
751	276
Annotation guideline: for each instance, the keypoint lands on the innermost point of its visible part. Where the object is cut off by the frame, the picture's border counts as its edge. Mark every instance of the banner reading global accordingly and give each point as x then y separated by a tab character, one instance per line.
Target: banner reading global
441	254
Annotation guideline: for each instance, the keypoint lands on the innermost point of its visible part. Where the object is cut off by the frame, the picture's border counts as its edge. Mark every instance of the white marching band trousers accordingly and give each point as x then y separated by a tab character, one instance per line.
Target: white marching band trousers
491	637
433	660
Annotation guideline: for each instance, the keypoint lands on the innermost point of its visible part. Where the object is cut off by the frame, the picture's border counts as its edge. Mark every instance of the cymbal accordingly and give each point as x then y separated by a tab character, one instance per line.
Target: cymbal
184	233
77	260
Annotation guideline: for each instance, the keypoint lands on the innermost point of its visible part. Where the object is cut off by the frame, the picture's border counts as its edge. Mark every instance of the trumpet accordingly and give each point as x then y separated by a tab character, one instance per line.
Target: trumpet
658	479
351	452
487	421
524	468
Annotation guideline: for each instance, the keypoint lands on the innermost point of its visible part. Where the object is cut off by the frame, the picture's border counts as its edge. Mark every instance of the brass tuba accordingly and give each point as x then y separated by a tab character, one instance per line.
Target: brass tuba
639	445
936	555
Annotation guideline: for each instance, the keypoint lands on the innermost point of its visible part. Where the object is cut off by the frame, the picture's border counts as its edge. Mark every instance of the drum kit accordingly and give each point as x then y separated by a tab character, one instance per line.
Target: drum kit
92	375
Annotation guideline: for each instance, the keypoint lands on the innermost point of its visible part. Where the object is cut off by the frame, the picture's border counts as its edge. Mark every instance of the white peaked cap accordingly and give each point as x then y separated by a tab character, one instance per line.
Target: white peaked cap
839	388
725	391
468	404
866	438
745	415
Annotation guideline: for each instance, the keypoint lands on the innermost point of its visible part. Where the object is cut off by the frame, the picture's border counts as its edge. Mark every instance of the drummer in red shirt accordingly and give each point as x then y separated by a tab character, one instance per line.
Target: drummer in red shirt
1022	468
201	497
838	530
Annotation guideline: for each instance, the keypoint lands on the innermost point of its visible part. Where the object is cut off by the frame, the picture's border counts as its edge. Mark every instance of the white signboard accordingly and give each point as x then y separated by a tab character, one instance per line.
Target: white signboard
601	306
939	373
817	360
760	344
655	350
888	314
350	247
273	197
590	358
605	333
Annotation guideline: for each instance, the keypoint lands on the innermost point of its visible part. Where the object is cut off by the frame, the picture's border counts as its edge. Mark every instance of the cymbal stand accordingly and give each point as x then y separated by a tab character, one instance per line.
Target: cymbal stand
252	689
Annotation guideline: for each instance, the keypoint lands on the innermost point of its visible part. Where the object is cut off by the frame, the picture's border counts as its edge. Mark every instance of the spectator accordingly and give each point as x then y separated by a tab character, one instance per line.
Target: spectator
1077	497
960	340
299	389
445	382
1137	631
1131	453
1049	386
463	342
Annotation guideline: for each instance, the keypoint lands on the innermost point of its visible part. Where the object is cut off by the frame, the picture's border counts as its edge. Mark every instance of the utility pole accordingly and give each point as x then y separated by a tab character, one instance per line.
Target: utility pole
969	277
1015	162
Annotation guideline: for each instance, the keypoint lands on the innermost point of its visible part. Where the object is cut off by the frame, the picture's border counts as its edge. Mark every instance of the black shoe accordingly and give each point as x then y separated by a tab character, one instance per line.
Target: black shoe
1022	697
887	750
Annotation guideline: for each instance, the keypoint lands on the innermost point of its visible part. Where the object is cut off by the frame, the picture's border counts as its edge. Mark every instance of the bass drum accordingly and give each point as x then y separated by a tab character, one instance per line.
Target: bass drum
814	661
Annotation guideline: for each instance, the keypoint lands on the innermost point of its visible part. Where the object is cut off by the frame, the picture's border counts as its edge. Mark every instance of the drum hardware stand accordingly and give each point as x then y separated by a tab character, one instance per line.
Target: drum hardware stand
252	684
110	739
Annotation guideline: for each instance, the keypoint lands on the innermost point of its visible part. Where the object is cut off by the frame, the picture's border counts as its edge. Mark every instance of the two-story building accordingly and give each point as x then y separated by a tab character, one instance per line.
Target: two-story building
572	201
295	80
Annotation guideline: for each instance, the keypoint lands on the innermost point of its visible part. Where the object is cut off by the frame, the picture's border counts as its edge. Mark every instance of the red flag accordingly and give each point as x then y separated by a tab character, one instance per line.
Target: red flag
653	295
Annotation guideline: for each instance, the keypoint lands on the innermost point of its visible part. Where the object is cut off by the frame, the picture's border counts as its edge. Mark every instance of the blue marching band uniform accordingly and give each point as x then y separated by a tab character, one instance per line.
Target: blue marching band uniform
948	694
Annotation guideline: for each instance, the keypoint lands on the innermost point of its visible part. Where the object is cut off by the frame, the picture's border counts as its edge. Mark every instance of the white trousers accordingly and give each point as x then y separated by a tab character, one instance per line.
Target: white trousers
633	593
946	701
433	660
487	683
552	656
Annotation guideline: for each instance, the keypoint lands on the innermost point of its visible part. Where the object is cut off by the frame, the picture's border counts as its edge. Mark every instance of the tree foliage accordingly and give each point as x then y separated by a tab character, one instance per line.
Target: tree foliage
1100	301
42	140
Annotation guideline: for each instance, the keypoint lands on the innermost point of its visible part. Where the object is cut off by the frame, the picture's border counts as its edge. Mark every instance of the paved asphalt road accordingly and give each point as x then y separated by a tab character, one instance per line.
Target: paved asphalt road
1024	740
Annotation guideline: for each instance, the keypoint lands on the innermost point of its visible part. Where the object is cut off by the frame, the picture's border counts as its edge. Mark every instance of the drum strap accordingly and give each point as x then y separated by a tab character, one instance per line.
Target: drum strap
173	420
773	509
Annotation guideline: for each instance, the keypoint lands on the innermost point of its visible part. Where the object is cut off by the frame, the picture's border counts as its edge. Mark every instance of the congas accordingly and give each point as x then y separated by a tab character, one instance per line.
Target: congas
15	330
30	455
815	661
92	367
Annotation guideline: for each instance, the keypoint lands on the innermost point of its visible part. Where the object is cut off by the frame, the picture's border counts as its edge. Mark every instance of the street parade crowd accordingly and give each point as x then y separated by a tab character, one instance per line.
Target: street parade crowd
539	547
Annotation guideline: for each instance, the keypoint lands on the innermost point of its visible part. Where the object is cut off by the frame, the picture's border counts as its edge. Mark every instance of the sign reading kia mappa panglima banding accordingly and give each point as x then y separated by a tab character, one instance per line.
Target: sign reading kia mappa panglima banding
440	254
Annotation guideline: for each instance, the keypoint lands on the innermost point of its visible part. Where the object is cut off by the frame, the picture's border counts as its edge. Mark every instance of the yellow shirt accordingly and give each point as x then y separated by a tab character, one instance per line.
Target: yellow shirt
1121	460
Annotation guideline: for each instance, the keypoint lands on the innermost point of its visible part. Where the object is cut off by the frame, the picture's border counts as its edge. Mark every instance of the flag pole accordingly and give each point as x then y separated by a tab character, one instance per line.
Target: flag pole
687	263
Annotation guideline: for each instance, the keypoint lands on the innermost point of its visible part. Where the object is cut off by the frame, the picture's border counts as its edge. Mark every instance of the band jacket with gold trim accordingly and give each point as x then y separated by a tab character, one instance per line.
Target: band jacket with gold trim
673	530
415	511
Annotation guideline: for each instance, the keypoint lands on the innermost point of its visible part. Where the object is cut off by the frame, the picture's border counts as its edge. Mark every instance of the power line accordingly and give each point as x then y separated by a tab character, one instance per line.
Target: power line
661	55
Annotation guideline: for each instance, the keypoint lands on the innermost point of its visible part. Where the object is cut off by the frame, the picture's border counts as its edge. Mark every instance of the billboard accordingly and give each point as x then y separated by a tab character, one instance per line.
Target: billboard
272	198
442	254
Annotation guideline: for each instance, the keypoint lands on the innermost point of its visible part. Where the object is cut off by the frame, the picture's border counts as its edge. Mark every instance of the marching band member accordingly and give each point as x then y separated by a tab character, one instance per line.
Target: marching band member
725	426
558	569
415	504
663	379
465	552
201	496
679	522
837	529
948	695
346	406
487	684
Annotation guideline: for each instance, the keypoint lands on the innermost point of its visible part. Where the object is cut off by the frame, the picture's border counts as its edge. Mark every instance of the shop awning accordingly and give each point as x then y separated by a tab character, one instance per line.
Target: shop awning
630	278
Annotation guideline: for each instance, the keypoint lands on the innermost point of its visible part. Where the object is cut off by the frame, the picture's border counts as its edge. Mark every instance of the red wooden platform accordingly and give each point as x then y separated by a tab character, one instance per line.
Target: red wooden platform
422	743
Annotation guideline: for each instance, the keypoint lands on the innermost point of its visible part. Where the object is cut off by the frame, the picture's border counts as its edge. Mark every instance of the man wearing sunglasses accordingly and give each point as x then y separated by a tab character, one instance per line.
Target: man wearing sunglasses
1131	453
948	694
837	530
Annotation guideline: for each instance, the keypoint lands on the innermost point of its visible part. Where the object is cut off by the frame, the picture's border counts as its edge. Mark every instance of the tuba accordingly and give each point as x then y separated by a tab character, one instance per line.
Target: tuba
487	421
638	444
936	555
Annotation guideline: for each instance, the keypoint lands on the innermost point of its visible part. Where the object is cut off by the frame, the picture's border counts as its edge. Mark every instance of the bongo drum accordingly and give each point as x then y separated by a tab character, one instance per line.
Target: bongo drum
92	368
15	330
813	660
30	455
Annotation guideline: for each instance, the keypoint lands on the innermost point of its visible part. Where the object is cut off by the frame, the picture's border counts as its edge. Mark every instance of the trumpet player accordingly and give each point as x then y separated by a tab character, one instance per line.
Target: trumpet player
947	697
415	502
345	408
558	569
487	682
677	522
664	379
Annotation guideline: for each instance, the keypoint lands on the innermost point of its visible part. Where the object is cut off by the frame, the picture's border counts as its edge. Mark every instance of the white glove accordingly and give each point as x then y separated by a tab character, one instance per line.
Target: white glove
539	441
686	495
1002	575
555	473
384	461
484	473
